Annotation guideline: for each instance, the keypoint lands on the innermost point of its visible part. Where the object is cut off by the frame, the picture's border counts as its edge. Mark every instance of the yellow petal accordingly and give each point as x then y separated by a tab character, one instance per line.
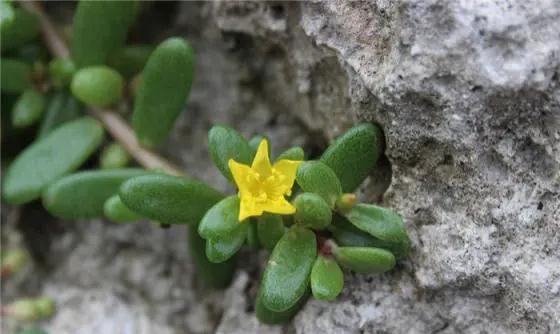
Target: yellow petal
247	208
261	163
288	169
280	206
239	173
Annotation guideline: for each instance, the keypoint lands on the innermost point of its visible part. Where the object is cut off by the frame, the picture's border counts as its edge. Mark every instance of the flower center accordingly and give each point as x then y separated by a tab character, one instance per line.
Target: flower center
266	187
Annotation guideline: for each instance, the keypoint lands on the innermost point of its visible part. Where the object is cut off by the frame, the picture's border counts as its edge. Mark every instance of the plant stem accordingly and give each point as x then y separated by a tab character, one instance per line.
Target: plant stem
113	123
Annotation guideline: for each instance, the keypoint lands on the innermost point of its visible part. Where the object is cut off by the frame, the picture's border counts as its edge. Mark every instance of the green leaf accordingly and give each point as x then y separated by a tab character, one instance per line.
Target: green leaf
98	86
23	28
365	259
7	15
286	276
62	108
115	210
130	59
270	228
226	143
28	109
51	157
269	317
316	177
169	199
166	82
295	153
218	251
99	28
312	211
252	235
61	71
327	279
82	195
213	275
15	75
353	155
114	156
382	223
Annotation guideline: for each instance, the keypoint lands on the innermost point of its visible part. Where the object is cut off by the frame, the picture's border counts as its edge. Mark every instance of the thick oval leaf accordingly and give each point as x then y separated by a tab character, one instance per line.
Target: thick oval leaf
295	153
130	59
327	279
218	251
286	276
28	109
114	156
253	235
270	228
98	86
15	76
365	259
51	157
7	15
166	82
82	195
168	199
213	275
115	210
269	317
316	177
61	108
353	155
382	223
23	28
111	20
225	143
312	211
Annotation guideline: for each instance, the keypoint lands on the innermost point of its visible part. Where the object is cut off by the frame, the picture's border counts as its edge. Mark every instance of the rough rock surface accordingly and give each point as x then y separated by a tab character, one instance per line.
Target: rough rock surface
468	94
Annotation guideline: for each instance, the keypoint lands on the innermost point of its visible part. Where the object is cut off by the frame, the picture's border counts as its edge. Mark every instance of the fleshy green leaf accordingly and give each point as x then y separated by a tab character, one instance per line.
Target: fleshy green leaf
295	153
316	177
252	235
114	156
115	210
353	155
267	316
61	108
365	259
51	157
327	279
15	75
130	59
312	211
23	28
160	98
226	143
168	199
270	229
98	86
83	195
286	276
28	109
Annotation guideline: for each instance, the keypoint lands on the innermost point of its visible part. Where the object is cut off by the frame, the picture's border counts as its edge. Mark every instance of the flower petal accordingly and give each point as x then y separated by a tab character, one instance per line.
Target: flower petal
280	206
261	163
239	172
247	208
288	169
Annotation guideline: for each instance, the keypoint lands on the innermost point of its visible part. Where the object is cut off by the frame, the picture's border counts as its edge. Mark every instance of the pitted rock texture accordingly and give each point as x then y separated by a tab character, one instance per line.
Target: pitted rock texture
468	94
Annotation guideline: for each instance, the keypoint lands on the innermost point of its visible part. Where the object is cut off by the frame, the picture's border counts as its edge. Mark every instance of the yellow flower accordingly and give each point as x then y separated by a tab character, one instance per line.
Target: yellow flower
262	187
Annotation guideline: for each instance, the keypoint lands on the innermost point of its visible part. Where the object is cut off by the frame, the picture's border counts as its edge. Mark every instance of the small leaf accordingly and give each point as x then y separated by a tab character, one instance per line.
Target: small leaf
269	317
83	195
295	153
286	276
213	275
61	108
114	156
160	98
15	76
169	199
51	157
226	143
23	29
115	210
130	59
353	155
270	229
28	109
327	279
365	259
382	223
312	211
218	251
61	71
316	177
98	86
252	235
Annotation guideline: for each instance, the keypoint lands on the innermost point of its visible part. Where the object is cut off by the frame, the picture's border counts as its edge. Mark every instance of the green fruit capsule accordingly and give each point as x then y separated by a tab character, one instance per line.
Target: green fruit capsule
61	71
316	177
269	317
327	279
365	259
166	82
295	153
226	143
28	109
286	276
353	155
383	224
270	229
15	76
23	29
169	199
62	107
97	86
51	157
111	20
213	275
114	156
312	211
115	210
83	195
130	59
